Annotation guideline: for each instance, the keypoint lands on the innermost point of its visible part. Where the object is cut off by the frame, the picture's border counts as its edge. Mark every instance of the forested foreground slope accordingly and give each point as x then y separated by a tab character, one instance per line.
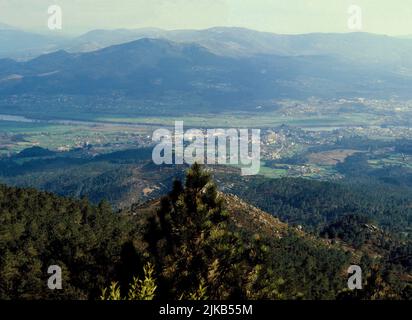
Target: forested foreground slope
201	244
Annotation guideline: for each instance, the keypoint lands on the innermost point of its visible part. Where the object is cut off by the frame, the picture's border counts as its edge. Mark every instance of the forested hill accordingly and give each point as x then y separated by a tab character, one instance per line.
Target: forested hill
315	204
39	229
201	244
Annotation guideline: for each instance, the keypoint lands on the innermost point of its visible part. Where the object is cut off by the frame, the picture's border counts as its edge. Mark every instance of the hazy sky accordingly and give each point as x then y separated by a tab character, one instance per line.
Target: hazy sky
392	17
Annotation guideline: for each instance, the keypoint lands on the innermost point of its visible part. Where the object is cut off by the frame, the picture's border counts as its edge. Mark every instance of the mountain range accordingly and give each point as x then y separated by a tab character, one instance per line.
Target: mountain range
357	46
153	67
226	41
218	67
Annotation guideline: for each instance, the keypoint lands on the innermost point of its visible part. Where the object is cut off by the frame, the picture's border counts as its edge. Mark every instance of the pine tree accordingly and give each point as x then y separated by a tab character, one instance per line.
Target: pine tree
191	238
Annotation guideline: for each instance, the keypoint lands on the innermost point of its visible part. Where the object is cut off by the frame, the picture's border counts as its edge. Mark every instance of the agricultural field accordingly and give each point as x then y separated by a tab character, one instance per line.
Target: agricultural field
17	136
330	158
300	144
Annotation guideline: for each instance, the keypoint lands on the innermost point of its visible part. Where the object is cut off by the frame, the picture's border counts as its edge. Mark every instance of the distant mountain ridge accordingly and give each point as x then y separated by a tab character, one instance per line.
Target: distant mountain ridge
158	68
227	41
245	42
215	69
21	44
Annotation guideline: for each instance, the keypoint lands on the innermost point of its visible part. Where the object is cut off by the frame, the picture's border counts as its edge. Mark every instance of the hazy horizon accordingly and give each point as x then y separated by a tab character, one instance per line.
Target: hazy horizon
294	17
64	34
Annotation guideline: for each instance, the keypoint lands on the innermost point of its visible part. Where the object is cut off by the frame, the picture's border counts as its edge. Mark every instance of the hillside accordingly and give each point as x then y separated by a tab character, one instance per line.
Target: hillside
193	234
190	74
243	216
25	210
254	222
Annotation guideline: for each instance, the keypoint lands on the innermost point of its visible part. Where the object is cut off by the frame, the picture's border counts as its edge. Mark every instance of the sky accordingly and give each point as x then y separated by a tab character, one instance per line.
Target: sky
391	17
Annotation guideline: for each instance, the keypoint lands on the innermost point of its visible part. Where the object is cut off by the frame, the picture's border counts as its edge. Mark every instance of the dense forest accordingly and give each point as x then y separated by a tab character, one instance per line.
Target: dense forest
314	204
114	176
186	246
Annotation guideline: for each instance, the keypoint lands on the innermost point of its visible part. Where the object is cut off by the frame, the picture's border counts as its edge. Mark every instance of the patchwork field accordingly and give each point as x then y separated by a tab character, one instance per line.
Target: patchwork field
330	158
